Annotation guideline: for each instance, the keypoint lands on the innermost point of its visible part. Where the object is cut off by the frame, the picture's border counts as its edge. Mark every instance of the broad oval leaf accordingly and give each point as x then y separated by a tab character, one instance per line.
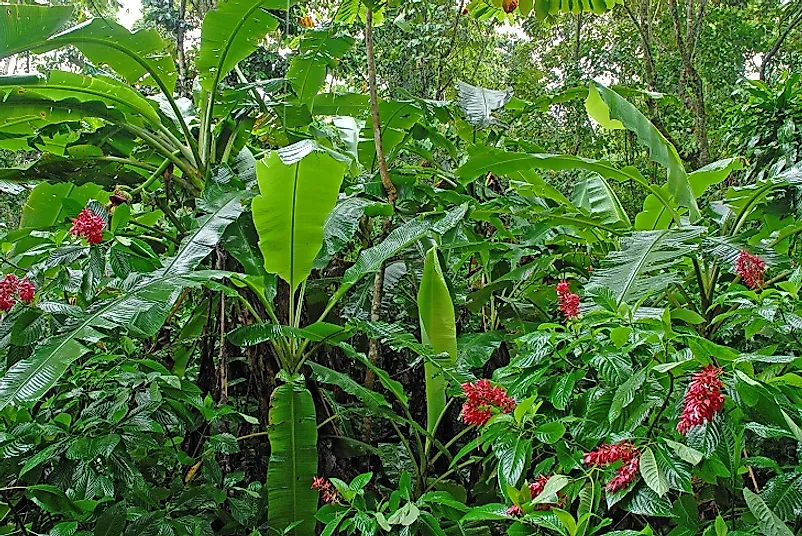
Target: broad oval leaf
290	212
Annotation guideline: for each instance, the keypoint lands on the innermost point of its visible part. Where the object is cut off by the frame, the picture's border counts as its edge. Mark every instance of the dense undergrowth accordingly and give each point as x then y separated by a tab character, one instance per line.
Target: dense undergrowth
269	308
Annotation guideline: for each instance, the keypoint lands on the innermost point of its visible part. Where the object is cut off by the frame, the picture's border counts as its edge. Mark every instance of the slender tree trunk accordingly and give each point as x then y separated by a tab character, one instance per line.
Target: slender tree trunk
374	347
769	57
183	89
691	86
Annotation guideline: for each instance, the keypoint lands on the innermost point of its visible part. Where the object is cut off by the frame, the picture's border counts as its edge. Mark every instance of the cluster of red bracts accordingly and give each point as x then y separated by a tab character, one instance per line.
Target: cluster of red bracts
482	398
88	225
625	452
535	489
327	491
12	288
751	269
702	400
568	301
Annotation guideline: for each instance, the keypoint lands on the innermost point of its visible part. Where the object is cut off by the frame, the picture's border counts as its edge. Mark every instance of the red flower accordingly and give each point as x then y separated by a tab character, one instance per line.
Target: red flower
27	291
624	476
751	269
515	511
12	289
483	397
702	400
536	487
607	454
569	302
562	287
328	493
88	225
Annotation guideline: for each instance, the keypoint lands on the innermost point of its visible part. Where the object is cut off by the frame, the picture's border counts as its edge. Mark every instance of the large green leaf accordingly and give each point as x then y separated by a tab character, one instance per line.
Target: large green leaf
482	159
319	50
595	195
21	23
231	33
25	113
60	85
713	173
645	264
545	9
438	329
660	149
292	208
769	523
477	103
141	57
293	460
219	208
51	204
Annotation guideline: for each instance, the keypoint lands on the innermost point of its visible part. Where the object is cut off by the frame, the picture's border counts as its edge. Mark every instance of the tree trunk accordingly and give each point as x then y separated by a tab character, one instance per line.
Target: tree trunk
769	57
183	84
691	86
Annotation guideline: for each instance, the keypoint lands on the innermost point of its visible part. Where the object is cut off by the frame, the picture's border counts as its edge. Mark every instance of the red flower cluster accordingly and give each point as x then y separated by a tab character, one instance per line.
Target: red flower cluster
12	289
607	454
325	488
569	302
515	511
537	487
751	269
483	396
88	225
625	452
624	477
702	400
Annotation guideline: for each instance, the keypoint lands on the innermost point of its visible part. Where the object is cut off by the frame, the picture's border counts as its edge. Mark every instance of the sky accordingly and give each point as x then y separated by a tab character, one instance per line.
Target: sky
130	12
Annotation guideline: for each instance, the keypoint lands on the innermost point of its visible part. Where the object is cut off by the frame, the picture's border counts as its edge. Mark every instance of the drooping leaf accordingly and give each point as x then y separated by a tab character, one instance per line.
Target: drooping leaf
651	472
477	103
660	149
340	227
22	23
371	399
293	460
290	212
319	50
136	56
399	238
231	33
595	195
59	85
